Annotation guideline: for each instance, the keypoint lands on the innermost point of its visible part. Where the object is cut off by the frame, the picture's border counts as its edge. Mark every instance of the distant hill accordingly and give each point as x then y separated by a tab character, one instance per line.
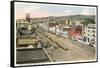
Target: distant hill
70	17
81	16
73	17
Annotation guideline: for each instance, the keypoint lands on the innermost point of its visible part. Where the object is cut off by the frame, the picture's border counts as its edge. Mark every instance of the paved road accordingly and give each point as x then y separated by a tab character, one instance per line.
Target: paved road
74	52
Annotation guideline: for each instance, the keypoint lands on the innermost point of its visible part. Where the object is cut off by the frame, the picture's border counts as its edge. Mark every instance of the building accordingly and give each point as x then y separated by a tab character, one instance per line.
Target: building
28	17
75	31
66	31
67	22
75	22
52	27
90	33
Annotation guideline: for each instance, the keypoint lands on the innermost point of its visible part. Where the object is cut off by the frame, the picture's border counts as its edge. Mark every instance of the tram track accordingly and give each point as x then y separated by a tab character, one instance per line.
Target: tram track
52	40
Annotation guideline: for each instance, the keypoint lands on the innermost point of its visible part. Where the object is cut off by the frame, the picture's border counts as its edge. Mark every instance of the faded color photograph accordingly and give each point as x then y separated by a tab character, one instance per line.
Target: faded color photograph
47	33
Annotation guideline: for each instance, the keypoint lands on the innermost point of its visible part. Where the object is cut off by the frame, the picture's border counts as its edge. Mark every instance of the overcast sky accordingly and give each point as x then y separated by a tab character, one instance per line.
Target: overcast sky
44	10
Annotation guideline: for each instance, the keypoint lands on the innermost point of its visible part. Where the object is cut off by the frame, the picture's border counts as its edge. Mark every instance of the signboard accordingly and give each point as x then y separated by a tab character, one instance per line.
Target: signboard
26	41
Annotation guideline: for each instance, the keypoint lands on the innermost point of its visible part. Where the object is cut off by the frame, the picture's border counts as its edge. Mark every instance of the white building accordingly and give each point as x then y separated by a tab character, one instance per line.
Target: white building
90	33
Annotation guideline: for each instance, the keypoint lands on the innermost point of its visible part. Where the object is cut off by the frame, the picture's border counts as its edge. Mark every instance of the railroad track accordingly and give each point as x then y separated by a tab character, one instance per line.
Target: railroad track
52	41
55	45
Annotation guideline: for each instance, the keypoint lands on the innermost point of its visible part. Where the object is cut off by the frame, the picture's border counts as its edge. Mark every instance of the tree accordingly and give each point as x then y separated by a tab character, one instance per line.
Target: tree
88	21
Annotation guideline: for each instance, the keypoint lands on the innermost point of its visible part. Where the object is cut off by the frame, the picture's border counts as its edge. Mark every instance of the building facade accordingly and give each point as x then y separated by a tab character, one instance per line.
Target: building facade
90	33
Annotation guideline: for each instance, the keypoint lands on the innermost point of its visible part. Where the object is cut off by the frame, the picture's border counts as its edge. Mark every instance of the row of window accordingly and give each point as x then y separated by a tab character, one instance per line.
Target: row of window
92	31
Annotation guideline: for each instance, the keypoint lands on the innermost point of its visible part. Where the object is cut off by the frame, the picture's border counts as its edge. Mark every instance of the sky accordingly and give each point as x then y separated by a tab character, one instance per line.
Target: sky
44	10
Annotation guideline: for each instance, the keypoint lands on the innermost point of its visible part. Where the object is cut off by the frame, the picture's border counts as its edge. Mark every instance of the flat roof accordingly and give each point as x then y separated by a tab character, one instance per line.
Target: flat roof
31	56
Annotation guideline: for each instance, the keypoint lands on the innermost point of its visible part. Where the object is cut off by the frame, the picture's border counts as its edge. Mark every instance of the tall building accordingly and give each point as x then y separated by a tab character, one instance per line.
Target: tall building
27	17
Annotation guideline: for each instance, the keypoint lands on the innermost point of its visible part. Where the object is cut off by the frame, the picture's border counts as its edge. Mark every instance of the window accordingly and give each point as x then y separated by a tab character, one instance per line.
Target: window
93	31
88	30
88	39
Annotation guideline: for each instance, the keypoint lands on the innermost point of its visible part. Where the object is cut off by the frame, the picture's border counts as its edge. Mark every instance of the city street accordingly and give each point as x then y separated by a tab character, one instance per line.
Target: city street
56	36
74	51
